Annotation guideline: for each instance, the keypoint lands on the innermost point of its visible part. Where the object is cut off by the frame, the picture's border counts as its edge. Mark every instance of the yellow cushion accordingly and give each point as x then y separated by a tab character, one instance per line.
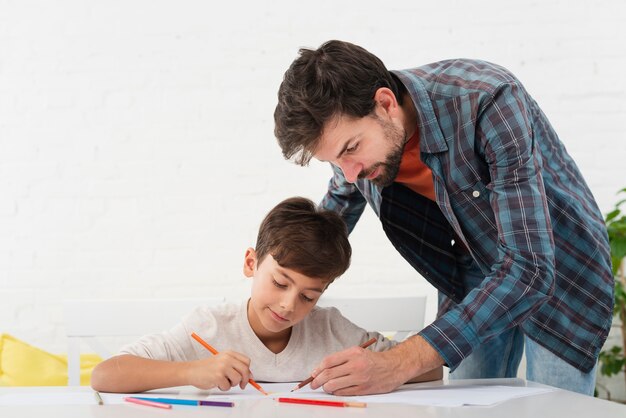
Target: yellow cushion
22	364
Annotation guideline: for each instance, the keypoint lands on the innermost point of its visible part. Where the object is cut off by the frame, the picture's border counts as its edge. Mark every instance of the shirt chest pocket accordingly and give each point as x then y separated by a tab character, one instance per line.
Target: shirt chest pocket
471	204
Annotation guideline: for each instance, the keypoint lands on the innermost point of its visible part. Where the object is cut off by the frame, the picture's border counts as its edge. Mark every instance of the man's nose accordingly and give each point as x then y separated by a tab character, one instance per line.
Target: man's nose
351	170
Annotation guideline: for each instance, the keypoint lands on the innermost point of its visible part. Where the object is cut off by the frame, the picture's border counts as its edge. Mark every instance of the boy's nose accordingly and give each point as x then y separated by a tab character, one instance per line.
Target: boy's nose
288	303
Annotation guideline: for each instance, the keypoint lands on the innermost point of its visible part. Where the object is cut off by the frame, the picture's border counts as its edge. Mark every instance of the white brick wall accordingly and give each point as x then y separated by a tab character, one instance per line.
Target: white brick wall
137	155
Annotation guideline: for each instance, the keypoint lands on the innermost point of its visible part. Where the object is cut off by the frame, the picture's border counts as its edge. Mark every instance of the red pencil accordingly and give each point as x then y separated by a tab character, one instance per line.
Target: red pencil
214	352
323	402
310	379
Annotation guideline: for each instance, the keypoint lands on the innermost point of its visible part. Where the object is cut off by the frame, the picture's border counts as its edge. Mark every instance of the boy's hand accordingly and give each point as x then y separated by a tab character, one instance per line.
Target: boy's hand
224	370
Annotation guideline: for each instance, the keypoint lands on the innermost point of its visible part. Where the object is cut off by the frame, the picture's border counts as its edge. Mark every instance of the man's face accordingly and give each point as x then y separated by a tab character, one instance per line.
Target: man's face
280	297
369	147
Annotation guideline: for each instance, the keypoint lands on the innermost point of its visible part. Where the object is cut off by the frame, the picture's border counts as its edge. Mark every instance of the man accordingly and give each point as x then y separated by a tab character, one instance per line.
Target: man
475	190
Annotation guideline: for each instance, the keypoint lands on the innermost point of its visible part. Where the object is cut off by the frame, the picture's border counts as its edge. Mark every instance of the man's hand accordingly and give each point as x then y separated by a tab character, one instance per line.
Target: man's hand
357	371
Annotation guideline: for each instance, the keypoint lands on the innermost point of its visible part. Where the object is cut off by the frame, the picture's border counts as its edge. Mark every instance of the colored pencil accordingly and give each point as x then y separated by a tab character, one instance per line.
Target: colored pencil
216	403
98	398
323	402
214	352
310	379
148	403
193	402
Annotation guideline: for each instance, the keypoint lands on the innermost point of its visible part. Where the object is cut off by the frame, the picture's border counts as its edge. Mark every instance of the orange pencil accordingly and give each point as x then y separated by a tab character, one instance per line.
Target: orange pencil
214	352
310	379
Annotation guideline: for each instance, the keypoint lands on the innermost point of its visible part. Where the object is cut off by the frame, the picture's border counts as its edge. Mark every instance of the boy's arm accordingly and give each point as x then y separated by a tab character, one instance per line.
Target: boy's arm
128	374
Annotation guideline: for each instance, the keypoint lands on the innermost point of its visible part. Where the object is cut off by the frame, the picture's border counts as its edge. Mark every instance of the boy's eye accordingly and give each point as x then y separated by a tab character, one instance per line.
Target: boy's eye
278	285
306	299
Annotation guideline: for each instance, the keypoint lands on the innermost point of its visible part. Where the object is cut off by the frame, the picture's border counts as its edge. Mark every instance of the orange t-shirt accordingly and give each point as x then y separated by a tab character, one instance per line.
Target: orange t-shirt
413	173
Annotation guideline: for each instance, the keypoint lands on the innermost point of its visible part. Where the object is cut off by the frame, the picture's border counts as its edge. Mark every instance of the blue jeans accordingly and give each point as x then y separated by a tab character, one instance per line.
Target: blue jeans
500	357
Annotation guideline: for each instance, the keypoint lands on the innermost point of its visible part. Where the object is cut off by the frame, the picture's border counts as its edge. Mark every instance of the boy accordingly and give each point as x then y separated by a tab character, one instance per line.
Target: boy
300	251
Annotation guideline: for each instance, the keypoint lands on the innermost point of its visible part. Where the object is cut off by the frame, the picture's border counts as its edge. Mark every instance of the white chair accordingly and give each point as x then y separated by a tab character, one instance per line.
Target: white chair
88	319
403	315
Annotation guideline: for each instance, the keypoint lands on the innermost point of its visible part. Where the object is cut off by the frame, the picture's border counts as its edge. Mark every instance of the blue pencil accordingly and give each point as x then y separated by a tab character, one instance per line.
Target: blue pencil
194	402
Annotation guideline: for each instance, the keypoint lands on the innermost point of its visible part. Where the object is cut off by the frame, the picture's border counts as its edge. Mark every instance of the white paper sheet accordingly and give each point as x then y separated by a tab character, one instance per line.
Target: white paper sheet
455	395
275	390
445	395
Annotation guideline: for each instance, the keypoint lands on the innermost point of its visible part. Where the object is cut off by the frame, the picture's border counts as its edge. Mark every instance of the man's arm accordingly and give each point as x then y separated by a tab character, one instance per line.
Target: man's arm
357	371
434	374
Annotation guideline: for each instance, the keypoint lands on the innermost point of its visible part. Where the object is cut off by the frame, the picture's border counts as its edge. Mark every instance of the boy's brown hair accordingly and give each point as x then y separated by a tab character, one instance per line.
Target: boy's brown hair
304	238
338	78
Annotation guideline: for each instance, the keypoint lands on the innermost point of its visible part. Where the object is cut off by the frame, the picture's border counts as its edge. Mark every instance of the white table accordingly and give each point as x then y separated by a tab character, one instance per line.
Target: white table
558	404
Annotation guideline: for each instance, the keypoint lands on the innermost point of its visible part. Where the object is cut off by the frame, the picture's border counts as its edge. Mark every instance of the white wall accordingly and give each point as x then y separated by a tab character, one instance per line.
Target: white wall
137	155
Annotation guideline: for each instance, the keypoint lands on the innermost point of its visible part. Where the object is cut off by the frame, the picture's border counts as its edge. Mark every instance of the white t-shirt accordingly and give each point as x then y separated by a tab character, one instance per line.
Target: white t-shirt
322	332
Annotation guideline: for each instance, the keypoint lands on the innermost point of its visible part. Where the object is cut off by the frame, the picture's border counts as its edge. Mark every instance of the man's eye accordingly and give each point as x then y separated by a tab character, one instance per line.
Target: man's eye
352	148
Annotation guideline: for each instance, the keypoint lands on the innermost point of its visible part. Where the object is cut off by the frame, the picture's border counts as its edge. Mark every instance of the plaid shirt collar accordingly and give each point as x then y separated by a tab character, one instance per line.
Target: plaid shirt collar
431	138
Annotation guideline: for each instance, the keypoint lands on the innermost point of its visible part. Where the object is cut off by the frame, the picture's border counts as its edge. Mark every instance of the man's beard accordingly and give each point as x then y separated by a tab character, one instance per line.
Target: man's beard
391	165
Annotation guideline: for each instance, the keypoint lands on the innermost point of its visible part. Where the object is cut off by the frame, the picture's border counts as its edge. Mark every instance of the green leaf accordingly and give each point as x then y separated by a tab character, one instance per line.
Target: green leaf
612	215
618	252
612	361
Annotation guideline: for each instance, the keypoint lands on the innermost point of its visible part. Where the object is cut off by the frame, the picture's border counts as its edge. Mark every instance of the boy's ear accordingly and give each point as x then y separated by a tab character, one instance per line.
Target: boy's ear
249	262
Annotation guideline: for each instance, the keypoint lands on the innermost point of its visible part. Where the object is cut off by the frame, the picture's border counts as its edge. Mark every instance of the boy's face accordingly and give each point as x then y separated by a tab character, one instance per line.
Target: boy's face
280	297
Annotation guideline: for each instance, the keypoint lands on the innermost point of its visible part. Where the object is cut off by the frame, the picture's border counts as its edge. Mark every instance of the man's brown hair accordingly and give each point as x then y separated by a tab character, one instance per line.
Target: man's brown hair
304	238
338	78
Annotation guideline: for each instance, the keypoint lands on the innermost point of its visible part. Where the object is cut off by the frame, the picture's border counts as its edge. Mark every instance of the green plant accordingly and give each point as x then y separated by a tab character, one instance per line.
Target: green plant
613	360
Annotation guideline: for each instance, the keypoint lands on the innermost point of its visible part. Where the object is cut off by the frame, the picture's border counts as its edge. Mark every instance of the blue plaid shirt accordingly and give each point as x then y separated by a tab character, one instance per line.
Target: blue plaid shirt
508	189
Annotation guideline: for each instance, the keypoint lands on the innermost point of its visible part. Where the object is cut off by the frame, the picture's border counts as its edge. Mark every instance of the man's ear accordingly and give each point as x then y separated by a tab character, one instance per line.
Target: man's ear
249	262
386	101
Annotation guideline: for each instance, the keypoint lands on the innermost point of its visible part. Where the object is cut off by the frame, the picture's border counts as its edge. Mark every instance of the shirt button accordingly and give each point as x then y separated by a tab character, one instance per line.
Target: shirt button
475	193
